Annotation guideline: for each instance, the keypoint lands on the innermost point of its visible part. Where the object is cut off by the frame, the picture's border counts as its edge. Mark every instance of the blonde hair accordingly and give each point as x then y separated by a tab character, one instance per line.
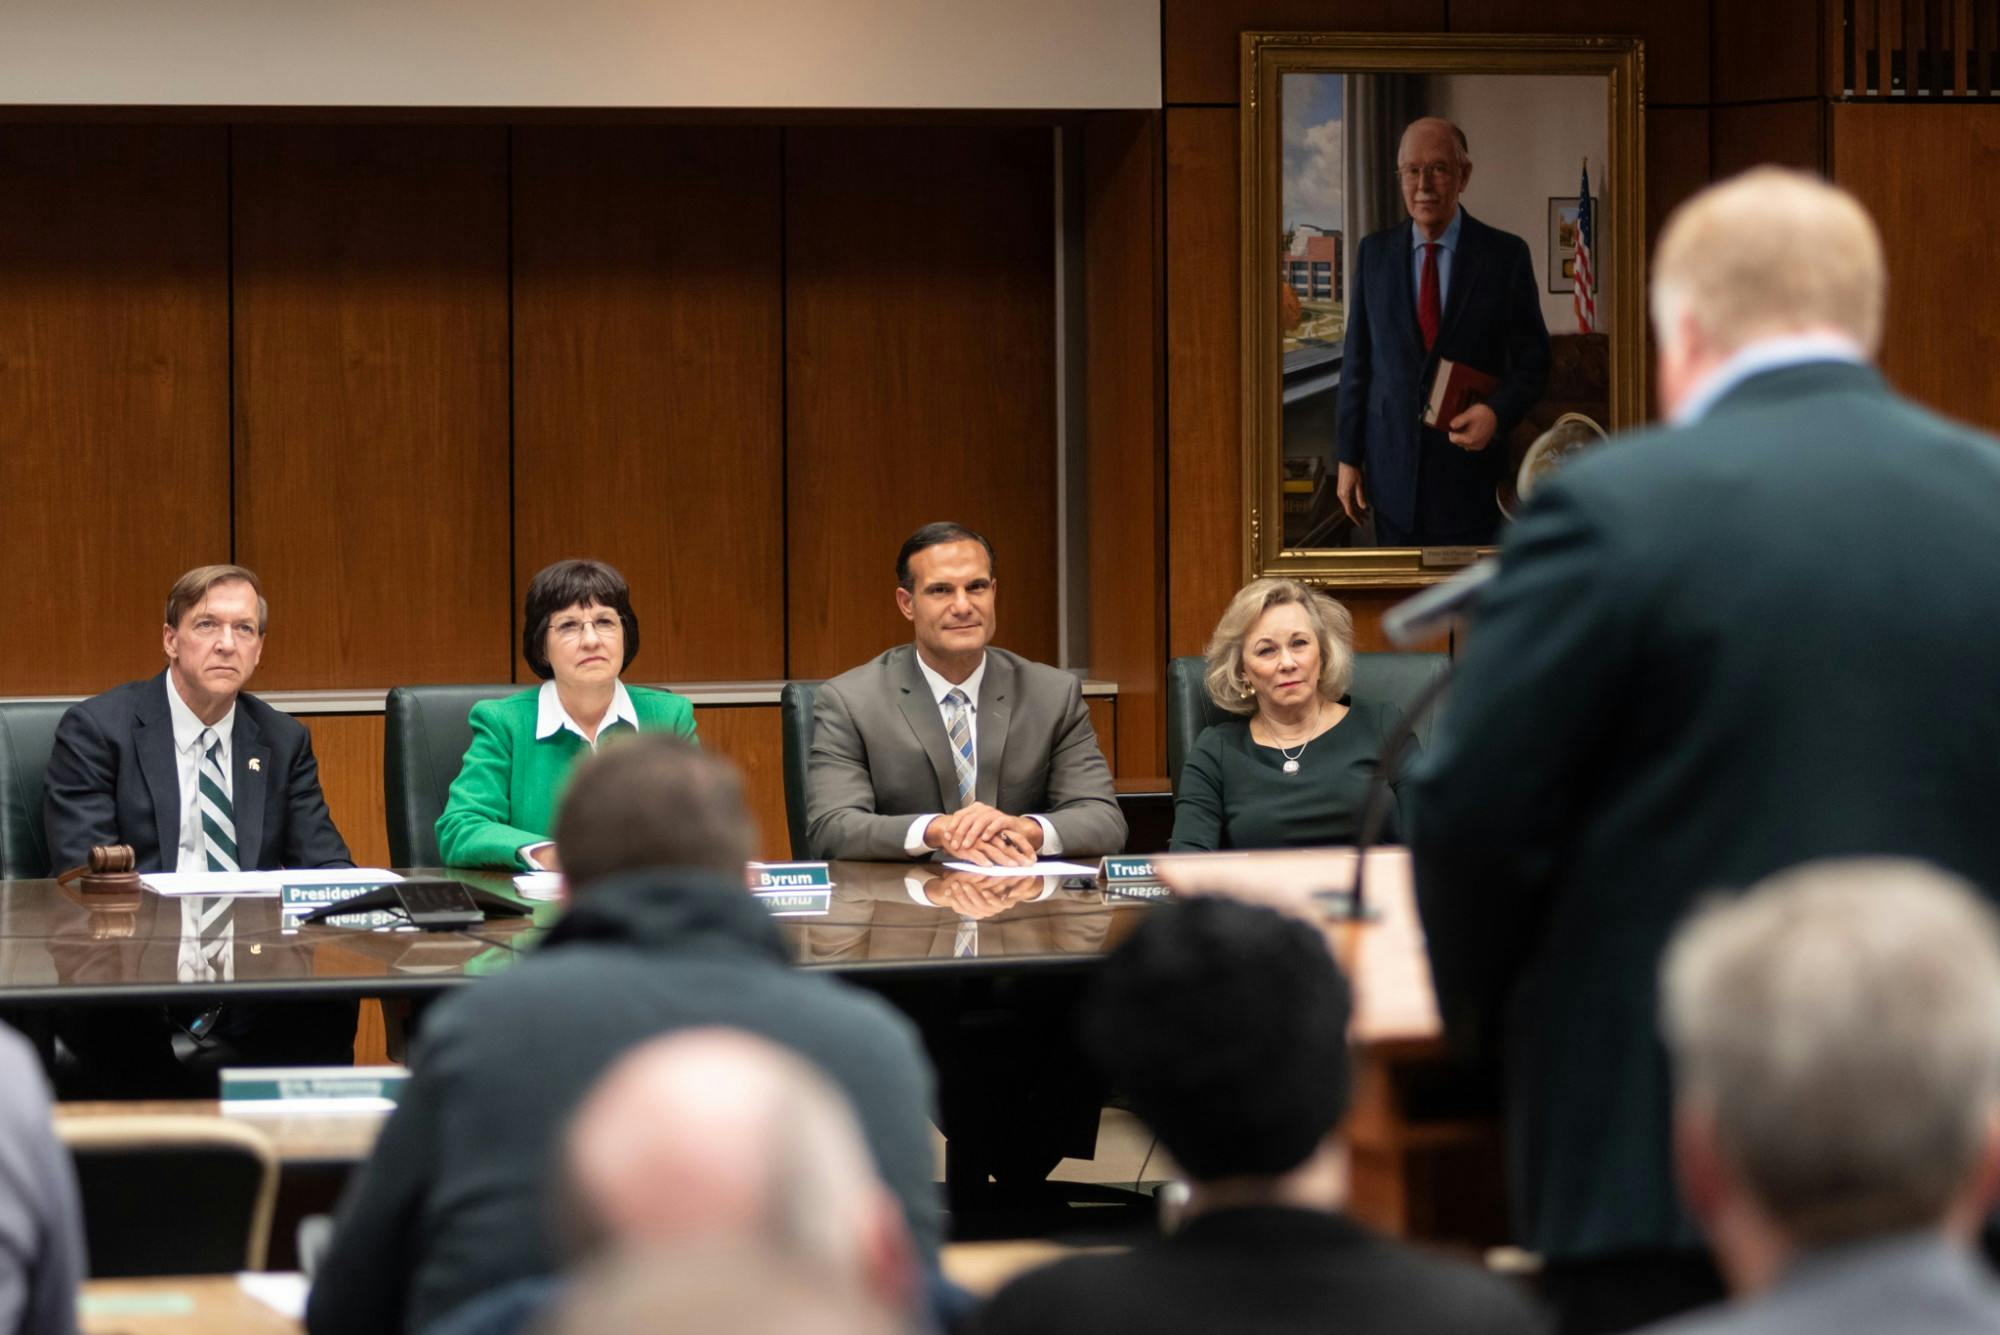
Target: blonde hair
1332	626
1767	252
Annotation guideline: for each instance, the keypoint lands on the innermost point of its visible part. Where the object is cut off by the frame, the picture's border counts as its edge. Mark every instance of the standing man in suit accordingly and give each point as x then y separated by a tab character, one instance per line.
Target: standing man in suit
1836	1049
1446	286
948	745
196	775
1694	669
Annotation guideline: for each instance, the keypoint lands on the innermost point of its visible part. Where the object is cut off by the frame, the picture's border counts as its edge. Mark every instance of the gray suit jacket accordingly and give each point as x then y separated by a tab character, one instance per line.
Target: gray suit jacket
880	757
41	1229
1910	1284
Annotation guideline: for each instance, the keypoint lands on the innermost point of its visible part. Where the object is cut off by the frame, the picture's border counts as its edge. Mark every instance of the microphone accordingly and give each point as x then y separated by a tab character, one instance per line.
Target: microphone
1418	618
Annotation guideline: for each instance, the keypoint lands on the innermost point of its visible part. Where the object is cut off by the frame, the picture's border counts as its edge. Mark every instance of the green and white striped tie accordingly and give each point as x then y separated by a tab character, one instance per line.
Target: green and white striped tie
218	813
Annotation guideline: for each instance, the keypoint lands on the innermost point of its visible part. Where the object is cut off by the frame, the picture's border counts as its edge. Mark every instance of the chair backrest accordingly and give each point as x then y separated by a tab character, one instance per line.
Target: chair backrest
172	1195
795	711
1395	678
27	736
426	730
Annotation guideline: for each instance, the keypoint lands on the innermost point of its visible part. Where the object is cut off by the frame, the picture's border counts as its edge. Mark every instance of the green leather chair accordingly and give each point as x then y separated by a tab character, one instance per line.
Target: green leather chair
1394	677
795	714
27	736
426	730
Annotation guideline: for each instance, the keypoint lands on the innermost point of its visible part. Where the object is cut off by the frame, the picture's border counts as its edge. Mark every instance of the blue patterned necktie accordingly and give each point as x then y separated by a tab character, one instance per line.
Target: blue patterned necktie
218	814
958	724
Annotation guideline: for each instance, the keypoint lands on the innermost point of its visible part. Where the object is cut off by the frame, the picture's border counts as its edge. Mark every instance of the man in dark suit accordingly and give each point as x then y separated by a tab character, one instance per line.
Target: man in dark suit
195	775
128	765
1445	286
947	744
1695	668
1226	1026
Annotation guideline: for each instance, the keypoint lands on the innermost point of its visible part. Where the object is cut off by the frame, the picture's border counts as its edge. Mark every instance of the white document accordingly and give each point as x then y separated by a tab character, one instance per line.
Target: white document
283	1291
1032	869
259	882
539	884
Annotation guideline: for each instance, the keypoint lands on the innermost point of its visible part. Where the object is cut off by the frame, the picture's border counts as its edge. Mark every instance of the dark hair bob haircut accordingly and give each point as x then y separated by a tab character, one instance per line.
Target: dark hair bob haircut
568	584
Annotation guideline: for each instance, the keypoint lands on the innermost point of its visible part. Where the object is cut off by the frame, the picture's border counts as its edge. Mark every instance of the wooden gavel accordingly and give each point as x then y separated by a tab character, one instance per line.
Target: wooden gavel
110	871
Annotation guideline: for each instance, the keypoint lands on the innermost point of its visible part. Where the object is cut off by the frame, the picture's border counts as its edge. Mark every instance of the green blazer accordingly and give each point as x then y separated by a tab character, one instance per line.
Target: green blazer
504	797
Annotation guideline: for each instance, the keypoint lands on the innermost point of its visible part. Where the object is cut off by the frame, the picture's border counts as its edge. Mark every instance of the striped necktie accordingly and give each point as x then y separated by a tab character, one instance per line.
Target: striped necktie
218	814
958	723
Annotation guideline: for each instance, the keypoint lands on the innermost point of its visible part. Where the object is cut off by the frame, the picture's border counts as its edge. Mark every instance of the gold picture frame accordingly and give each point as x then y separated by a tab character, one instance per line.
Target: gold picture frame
1271	247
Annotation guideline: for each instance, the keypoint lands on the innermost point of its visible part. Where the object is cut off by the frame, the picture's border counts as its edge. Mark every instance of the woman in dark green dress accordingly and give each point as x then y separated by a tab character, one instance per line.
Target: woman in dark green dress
1292	771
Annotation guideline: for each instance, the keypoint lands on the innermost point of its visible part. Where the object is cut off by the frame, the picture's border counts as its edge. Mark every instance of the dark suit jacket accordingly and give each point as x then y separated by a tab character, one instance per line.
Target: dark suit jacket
1711	653
880	757
1261	1272
1492	322
114	779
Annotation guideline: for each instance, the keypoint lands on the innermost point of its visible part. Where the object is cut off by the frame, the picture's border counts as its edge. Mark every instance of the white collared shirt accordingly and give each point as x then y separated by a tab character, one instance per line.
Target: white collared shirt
1759	356
193	852
551	718
913	840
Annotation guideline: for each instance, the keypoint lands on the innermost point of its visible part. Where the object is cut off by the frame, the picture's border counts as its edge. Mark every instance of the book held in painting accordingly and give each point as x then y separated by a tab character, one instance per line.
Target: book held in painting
1455	388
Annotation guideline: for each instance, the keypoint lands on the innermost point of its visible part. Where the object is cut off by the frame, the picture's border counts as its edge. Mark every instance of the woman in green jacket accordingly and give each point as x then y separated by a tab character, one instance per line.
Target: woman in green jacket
579	633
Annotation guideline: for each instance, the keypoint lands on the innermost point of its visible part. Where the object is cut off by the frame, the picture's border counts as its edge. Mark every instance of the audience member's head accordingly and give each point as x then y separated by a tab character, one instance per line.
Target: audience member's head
1769	253
735	1286
652	801
1226	1026
710	1134
1836	1044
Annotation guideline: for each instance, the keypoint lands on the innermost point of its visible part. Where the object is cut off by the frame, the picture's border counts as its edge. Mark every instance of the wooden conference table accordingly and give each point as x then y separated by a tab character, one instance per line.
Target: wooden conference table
1425	1162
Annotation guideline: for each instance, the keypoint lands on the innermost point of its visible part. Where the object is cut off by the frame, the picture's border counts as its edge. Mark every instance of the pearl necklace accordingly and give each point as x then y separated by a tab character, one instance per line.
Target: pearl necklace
1291	765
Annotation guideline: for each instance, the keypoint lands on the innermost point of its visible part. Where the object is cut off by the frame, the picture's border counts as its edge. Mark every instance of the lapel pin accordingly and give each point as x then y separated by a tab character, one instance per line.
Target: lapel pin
256	765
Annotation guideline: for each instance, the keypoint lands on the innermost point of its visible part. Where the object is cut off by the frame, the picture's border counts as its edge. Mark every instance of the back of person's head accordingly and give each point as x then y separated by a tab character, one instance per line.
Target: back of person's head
1225	1024
716	1133
740	1287
1839	1028
651	801
1771	251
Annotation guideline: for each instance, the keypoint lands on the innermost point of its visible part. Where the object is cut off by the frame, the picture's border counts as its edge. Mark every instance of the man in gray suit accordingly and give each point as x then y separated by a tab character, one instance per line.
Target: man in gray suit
1836	1049
947	745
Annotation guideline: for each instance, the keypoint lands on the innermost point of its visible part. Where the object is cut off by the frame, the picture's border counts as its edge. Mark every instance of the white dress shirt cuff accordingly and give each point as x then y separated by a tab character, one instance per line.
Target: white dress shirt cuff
913	840
1051	841
528	852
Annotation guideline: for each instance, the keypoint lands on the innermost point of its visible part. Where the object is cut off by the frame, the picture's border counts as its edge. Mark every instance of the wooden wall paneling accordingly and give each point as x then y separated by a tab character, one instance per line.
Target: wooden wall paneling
1125	442
1771	50
1790	134
1676	35
1201	39
349	748
1909	165
1677	161
920	374
114	391
750	736
1104	722
648	382
371	399
1204	484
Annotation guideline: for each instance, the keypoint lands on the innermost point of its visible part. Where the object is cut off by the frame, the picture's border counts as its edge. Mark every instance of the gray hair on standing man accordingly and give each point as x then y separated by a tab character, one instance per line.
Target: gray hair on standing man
1835	1035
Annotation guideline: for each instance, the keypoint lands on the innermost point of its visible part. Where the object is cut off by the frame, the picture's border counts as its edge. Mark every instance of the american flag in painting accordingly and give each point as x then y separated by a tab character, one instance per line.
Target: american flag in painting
1584	294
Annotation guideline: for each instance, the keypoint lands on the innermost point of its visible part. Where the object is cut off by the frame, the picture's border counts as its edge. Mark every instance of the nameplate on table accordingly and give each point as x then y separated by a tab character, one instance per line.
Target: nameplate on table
789	876
1137	890
297	900
293	1089
1127	868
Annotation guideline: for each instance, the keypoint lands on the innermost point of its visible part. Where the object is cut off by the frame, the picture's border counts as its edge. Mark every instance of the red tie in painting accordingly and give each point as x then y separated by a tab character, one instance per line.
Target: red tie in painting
1427	296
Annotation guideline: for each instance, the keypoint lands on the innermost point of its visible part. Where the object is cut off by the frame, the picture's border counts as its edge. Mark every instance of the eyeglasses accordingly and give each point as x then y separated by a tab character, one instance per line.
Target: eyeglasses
1436	171
571	628
209	628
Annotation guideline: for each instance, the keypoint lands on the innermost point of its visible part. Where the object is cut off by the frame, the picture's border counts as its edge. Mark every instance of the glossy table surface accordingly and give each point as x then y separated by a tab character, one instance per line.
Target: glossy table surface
60	946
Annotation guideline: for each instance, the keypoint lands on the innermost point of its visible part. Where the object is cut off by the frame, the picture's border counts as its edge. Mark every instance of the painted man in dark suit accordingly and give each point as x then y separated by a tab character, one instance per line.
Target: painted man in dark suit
1697	667
196	775
1444	286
